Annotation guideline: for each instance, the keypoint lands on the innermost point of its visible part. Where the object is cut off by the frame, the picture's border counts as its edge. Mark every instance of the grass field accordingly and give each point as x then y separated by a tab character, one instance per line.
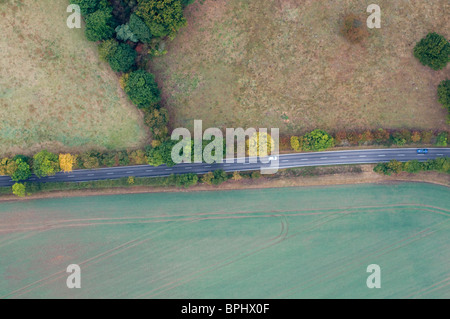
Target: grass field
271	243
283	63
54	92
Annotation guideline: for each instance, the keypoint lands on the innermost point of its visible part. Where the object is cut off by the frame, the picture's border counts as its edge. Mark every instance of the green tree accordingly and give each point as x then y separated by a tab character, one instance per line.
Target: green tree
161	154
433	51
22	172
90	6
186	180
123	58
124	33
45	164
140	29
100	25
413	166
317	140
142	89
220	177
162	17
19	190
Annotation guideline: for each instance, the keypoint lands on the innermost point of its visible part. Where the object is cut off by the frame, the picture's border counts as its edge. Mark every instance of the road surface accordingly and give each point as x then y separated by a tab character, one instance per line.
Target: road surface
284	161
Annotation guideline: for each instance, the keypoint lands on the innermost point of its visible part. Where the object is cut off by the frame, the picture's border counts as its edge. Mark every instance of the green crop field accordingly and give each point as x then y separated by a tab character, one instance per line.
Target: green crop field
271	243
54	91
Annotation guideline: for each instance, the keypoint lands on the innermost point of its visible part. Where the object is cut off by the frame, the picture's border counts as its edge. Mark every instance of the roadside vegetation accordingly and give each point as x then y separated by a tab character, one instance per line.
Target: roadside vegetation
396	167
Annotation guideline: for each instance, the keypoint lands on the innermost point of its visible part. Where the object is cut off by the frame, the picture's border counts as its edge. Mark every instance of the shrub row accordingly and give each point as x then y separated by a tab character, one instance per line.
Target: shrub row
320	140
394	167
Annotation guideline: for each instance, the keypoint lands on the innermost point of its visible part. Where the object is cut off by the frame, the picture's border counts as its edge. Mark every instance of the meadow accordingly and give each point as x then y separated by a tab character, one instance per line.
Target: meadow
284	63
54	91
272	243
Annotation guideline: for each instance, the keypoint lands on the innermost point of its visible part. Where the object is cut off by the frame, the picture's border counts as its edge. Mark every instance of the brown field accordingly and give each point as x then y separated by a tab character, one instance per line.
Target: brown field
283	63
54	92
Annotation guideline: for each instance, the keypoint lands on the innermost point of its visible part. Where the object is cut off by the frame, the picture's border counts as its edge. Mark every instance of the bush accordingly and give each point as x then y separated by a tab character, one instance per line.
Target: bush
122	59
317	140
89	160
124	33
186	180
433	51
444	95
256	175
295	143
220	177
142	89
163	18
139	29
442	139
157	120
413	166
19	190
45	164
427	136
353	29
100	25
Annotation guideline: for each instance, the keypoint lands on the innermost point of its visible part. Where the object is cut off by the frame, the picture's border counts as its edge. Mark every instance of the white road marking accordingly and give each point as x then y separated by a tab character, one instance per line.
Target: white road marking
285	160
169	169
324	158
208	166
362	156
342	156
72	176
401	155
440	155
109	173
382	155
90	174
131	172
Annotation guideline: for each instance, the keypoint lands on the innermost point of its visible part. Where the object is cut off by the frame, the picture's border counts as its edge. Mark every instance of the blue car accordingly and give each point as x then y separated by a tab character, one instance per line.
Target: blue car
422	151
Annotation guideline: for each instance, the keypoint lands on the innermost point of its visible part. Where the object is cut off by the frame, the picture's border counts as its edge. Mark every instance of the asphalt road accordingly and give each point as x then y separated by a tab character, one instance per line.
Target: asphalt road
284	161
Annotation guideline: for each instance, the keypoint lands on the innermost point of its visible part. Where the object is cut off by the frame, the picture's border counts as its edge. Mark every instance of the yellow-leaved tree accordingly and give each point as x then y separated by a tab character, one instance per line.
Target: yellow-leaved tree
260	144
66	162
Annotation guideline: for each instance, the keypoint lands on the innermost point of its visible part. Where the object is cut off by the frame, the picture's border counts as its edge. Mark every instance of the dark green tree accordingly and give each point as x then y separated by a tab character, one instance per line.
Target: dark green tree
22	172
90	6
433	51
142	89
123	58
161	154
140	29
100	25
